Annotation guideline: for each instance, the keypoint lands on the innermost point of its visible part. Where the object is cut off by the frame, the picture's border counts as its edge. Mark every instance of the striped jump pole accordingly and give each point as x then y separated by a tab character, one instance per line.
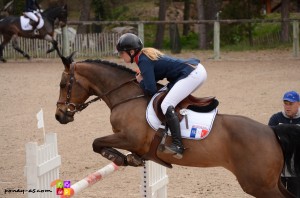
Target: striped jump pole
91	179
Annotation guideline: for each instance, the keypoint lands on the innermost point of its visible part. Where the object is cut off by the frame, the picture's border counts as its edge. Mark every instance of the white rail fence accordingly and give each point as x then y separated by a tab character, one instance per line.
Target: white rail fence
103	44
86	45
42	167
154	180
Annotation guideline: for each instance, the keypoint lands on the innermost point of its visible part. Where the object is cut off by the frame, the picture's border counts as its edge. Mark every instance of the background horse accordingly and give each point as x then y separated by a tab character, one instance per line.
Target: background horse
249	149
10	28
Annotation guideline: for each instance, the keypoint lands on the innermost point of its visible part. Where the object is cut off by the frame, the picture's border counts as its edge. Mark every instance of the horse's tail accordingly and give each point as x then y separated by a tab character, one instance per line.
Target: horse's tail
289	138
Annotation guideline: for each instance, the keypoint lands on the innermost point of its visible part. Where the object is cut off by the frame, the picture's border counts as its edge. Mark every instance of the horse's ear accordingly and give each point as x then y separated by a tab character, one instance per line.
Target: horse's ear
71	56
65	62
68	60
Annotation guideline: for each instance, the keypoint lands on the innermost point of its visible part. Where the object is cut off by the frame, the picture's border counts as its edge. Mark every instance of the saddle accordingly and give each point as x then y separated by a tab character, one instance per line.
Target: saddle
30	24
193	103
206	104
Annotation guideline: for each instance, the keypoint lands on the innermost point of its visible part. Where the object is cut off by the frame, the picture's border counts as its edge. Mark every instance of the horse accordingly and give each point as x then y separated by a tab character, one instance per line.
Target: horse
254	152
10	28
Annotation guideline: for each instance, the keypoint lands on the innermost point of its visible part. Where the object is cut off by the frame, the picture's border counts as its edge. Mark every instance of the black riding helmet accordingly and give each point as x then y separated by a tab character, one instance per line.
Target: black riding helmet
129	42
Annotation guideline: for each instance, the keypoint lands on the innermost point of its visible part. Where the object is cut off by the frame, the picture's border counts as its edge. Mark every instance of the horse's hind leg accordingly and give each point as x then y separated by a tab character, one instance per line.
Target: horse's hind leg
6	39
266	189
17	48
1	54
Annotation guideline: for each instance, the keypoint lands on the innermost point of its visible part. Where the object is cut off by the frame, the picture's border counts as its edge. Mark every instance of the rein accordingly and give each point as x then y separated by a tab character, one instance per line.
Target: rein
79	107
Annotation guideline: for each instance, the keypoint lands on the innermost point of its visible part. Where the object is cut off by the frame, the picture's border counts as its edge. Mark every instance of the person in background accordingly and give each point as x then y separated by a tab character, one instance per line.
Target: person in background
32	11
184	77
289	115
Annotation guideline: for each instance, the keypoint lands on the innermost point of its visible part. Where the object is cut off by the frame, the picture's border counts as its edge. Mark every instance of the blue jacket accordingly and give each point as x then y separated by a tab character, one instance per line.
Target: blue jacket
173	69
279	118
31	5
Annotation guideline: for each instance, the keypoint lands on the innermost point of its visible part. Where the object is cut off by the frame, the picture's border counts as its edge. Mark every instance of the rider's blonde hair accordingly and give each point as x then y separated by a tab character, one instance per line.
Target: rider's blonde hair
152	53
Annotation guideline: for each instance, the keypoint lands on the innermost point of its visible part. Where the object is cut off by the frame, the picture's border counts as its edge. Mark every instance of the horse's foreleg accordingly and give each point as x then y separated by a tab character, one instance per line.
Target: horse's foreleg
113	155
54	45
17	48
104	146
119	158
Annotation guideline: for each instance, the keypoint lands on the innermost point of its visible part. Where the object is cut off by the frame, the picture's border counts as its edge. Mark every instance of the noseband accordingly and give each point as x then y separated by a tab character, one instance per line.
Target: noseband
73	108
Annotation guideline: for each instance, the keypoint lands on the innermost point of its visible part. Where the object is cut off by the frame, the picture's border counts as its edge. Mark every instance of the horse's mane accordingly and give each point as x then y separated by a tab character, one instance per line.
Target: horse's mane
105	62
52	9
53	12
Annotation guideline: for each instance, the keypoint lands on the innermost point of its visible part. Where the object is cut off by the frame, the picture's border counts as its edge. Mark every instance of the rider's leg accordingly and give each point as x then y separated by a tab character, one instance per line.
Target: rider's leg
31	16
173	123
41	20
177	93
37	18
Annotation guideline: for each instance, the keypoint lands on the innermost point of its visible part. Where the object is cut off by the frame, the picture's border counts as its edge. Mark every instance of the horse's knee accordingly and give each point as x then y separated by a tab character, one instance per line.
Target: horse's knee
96	147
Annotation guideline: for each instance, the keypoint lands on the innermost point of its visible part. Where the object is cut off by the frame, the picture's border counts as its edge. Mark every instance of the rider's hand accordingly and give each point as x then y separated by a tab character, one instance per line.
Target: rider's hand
139	77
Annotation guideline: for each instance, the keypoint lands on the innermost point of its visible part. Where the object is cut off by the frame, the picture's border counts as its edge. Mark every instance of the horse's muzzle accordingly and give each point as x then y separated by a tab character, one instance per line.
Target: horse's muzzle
63	116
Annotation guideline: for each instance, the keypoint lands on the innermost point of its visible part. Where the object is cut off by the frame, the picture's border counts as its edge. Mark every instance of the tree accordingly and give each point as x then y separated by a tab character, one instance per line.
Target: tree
160	27
84	16
285	23
239	9
202	27
186	16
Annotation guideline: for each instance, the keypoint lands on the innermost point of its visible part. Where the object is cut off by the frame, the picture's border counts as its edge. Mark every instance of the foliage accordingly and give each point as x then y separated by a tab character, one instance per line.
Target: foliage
190	41
239	9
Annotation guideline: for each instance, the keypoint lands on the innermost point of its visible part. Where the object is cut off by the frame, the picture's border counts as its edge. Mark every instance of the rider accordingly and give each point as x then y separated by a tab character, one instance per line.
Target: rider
184	77
32	11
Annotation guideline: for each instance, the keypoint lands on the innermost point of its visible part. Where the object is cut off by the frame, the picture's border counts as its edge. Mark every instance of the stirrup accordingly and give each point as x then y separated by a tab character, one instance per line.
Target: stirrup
36	32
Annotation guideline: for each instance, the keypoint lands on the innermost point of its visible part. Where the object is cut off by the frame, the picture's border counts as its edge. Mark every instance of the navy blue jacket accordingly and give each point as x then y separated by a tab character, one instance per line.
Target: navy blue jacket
31	5
279	118
173	69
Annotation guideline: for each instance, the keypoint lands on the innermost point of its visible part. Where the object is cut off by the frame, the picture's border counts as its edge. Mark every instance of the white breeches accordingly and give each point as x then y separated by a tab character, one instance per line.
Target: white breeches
184	87
34	17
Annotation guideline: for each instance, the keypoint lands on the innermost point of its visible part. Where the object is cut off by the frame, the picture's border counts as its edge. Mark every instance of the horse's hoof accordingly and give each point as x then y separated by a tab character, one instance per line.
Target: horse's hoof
50	50
134	160
3	60
27	56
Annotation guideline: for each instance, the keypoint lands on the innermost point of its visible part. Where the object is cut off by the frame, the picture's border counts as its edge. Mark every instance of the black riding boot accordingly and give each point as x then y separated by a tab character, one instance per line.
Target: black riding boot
173	123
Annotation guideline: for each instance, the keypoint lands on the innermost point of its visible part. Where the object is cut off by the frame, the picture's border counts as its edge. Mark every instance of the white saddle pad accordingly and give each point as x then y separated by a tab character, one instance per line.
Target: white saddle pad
25	23
199	124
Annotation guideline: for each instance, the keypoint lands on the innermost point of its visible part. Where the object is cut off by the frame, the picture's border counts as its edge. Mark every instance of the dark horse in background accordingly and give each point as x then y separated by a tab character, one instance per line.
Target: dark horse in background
254	152
10	29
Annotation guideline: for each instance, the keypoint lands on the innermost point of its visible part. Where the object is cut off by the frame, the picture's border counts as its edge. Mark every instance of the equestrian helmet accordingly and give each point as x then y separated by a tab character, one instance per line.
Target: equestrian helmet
128	42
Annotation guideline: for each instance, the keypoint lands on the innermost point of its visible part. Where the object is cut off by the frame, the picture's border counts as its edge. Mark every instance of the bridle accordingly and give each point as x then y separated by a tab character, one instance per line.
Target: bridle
74	108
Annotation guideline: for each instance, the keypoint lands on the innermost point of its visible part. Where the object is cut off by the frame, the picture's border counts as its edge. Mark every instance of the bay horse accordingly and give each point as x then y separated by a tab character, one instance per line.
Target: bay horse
254	152
10	28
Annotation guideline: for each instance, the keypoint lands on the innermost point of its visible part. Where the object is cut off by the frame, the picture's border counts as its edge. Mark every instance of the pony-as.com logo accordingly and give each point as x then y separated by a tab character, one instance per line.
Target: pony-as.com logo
62	187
